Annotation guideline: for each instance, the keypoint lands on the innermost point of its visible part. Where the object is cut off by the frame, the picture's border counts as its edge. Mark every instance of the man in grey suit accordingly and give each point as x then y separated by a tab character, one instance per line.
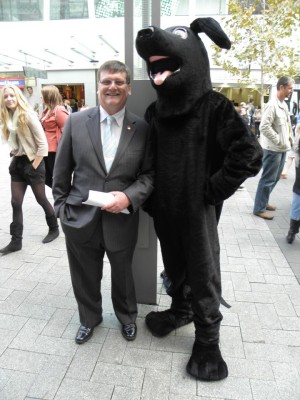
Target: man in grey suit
125	170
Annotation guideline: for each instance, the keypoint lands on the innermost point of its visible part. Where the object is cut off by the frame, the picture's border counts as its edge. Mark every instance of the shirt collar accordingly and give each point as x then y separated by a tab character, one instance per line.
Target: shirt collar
119	116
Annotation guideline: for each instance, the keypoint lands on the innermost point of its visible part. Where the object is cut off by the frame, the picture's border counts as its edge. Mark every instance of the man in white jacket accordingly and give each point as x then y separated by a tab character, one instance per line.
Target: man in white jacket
276	140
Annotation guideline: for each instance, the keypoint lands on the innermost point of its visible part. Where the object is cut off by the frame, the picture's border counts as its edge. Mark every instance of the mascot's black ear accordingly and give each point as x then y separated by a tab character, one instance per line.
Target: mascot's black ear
213	30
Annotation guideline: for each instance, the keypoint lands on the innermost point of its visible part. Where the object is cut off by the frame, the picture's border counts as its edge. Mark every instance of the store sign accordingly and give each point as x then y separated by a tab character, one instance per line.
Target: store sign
20	82
35	73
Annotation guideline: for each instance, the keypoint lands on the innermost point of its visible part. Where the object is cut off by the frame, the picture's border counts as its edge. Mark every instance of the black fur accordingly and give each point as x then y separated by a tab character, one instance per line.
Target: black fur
203	153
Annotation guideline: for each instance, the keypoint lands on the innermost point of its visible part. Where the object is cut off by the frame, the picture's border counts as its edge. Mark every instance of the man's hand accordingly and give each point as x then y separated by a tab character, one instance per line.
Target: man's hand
118	204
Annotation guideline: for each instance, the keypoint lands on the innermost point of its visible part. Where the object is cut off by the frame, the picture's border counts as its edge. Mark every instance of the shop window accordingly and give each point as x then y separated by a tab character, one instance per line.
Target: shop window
21	10
68	9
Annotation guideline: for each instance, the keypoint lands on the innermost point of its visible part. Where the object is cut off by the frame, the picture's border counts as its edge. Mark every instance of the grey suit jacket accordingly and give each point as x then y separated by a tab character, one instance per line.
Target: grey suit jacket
80	167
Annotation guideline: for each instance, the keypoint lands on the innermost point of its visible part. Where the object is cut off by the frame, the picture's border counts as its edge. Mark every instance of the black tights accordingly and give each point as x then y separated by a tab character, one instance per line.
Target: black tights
18	190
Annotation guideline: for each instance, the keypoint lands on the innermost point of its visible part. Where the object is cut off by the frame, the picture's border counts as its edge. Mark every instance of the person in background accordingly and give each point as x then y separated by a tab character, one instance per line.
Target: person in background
33	100
67	106
53	119
21	129
245	117
104	149
250	111
276	140
295	206
257	119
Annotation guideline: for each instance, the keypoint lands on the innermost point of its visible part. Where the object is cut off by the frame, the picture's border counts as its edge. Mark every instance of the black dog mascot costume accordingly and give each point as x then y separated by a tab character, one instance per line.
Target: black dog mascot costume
203	153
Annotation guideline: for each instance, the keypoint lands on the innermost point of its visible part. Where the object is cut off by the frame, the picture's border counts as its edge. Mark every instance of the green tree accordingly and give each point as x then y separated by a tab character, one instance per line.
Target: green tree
265	36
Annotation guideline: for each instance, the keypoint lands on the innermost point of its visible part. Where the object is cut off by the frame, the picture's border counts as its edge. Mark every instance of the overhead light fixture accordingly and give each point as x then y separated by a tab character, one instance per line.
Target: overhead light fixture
83	45
4	63
13	58
59	56
84	55
38	58
108	44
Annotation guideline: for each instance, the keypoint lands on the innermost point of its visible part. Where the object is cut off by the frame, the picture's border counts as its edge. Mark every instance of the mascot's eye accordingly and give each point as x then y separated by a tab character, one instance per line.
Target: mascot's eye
181	32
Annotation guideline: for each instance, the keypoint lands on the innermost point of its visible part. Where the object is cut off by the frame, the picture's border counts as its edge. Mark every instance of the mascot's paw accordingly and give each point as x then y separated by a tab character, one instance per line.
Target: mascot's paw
161	323
206	363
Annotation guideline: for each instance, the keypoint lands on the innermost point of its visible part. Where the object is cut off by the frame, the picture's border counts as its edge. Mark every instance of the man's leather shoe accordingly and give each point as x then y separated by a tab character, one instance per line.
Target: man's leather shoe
129	331
84	333
270	208
264	215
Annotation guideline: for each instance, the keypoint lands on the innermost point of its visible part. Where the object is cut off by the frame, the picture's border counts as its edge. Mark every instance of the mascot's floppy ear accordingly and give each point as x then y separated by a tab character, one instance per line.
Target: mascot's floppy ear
213	30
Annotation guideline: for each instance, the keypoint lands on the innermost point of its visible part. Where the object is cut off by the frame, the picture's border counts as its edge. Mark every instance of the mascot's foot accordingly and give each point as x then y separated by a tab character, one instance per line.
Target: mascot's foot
161	323
206	363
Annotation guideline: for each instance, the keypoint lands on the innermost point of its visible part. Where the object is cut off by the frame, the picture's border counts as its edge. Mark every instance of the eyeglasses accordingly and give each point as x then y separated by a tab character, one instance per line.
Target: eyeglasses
108	82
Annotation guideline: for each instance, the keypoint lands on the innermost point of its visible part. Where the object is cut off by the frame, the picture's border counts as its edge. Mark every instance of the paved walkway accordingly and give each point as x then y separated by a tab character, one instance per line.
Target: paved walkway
260	336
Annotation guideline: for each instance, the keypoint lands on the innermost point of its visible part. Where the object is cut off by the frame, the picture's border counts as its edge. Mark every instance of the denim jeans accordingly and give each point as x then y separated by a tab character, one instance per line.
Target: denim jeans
273	163
295	207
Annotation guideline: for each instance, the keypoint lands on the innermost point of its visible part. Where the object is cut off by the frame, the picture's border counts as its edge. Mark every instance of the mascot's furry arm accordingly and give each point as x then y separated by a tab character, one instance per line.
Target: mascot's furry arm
236	154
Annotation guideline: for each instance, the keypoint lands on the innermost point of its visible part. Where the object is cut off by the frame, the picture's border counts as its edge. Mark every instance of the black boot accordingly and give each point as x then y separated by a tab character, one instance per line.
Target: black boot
53	229
294	229
16	231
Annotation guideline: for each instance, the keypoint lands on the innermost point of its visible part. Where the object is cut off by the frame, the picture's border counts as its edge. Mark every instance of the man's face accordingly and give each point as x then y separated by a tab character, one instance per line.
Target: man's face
287	90
29	90
113	91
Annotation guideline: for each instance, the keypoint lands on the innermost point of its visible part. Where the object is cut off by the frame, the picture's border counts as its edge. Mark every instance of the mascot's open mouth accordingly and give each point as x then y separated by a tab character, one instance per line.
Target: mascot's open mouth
161	67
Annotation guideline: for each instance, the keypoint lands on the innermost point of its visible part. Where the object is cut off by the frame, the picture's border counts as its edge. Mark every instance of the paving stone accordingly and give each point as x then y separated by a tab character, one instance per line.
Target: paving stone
84	361
247	368
121	375
121	393
17	386
25	361
268	316
230	388
181	382
77	389
148	359
263	390
156	386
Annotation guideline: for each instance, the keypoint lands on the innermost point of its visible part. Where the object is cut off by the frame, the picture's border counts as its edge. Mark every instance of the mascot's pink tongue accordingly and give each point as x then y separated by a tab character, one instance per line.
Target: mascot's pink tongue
160	77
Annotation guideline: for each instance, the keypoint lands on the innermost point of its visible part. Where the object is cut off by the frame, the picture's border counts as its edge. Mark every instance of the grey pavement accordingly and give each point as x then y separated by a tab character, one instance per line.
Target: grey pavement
260	333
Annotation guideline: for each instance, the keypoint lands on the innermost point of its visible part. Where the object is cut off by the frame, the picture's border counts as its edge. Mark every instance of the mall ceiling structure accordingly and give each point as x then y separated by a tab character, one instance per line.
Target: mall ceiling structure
58	45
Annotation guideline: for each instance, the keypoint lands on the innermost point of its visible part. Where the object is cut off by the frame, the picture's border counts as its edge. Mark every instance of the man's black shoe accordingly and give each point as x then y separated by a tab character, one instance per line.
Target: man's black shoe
129	331
84	333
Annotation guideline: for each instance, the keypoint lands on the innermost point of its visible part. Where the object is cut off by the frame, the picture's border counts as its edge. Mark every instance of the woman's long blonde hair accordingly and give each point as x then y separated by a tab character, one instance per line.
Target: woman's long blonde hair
6	114
51	97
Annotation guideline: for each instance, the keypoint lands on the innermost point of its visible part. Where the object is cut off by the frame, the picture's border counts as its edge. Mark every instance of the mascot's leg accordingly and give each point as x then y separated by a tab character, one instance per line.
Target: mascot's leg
161	323
206	362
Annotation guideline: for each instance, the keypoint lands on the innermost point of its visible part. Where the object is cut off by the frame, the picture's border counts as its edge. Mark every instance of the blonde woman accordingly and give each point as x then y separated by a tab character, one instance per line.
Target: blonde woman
53	119
21	128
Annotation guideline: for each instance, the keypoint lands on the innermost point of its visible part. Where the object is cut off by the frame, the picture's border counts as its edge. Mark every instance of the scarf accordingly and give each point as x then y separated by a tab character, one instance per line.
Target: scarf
12	127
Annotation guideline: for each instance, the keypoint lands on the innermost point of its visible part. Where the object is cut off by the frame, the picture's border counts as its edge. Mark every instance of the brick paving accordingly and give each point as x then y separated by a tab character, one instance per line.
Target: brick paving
260	337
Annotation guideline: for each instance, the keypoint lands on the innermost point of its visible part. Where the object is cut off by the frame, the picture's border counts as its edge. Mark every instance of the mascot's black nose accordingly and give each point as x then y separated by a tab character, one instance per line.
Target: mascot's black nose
145	33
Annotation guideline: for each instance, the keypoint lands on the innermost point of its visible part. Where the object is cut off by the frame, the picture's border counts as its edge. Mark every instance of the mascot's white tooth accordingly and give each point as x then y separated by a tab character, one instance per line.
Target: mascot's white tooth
203	153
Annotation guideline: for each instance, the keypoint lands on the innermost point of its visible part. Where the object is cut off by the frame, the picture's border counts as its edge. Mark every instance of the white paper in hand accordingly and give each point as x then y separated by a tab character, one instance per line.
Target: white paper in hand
99	199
